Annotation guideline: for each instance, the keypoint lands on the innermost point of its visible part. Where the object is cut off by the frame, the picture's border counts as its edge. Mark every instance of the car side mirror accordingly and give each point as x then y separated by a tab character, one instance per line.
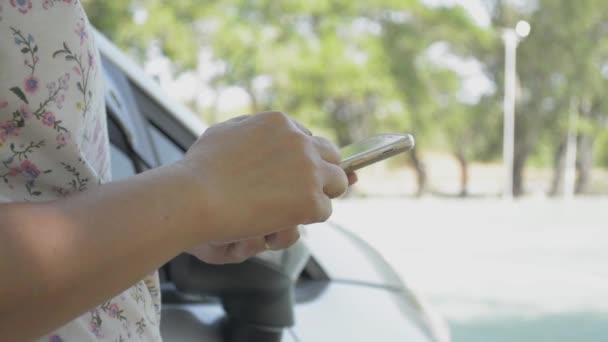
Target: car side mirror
257	295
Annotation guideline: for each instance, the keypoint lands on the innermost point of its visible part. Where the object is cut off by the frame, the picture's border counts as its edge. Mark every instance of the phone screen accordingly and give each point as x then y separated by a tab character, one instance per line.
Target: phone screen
369	144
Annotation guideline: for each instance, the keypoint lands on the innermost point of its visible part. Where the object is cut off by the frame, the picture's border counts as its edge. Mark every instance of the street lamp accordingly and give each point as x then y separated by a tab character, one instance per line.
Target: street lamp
511	38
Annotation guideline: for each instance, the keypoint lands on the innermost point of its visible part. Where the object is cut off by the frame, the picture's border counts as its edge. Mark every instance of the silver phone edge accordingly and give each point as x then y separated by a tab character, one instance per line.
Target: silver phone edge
358	161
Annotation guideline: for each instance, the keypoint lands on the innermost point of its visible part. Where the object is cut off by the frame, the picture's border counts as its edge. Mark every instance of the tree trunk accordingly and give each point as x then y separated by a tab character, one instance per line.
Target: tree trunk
341	127
525	138
519	163
464	173
584	164
559	165
254	105
351	121
421	176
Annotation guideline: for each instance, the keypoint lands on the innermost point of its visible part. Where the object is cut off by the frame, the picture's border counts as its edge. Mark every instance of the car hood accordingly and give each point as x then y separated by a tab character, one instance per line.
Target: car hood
345	257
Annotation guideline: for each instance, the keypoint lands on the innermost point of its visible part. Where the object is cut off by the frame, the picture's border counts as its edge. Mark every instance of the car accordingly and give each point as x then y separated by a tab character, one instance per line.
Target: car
330	286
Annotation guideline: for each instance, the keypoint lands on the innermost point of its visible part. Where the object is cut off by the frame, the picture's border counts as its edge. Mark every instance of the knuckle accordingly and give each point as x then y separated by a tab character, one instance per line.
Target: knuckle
297	141
276	117
305	208
325	213
332	150
331	147
343	183
318	210
288	238
293	238
338	183
309	173
242	252
252	248
310	199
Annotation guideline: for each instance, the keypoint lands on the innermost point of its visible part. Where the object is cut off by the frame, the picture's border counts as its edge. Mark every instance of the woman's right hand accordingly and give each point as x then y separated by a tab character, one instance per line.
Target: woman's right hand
243	184
256	174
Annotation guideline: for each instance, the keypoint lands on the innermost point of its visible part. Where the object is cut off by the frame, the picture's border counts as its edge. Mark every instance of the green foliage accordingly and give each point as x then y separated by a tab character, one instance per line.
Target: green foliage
602	153
352	68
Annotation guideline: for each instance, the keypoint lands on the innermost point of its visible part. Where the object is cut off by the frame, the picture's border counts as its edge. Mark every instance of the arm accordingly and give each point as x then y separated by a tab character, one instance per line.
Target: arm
61	258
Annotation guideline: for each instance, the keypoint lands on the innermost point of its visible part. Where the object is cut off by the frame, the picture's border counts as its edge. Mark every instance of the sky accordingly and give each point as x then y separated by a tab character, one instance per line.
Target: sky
475	8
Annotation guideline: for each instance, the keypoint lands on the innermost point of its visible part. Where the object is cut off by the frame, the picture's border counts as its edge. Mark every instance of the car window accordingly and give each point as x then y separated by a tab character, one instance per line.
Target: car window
122	165
168	151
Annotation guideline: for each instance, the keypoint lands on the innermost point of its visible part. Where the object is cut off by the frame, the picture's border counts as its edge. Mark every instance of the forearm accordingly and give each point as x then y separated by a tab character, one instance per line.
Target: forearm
62	258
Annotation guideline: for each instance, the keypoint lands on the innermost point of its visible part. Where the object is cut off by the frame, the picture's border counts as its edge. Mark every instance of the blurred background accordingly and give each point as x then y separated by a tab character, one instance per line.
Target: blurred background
499	215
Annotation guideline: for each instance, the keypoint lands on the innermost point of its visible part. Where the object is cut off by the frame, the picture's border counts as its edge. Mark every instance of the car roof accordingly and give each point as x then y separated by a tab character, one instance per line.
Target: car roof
136	74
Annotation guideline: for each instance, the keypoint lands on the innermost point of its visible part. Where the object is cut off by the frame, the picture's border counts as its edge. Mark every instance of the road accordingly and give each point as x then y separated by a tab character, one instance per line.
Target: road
532	270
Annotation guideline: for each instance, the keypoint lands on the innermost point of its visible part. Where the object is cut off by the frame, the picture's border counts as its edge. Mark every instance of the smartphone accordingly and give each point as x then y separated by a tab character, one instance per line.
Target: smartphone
374	149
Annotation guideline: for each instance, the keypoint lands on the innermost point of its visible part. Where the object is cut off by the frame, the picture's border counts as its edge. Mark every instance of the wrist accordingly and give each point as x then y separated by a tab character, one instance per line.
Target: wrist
194	202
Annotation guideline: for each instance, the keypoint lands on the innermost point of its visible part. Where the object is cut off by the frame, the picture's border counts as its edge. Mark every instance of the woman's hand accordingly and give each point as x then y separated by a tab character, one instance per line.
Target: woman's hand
239	251
256	174
251	180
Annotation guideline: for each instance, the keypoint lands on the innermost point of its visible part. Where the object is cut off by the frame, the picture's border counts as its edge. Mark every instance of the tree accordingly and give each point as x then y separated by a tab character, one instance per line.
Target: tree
345	67
430	91
571	80
349	68
558	65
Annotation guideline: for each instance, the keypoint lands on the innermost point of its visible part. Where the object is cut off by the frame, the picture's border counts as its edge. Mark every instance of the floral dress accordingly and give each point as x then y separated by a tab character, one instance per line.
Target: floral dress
54	141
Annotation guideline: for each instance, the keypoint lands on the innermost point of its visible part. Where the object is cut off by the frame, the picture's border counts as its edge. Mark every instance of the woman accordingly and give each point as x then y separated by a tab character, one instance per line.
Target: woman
78	255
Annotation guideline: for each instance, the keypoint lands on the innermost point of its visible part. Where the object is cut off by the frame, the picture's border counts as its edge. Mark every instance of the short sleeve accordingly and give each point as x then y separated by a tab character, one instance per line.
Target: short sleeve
53	136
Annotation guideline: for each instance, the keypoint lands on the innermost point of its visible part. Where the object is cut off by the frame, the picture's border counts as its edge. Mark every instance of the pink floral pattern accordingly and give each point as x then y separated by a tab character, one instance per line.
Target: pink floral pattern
25	111
81	31
48	119
62	139
31	85
7	130
22	5
54	141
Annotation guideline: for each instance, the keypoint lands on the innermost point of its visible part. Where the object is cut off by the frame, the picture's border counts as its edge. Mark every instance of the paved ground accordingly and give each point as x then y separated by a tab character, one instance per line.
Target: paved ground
533	270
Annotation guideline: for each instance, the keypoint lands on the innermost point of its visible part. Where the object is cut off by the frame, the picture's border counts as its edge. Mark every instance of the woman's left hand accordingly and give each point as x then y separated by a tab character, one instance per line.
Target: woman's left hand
239	251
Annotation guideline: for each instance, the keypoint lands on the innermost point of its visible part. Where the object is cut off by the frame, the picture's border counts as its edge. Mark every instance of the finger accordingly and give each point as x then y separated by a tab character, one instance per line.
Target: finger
284	116
213	254
283	239
245	249
328	150
352	178
325	209
301	127
240	118
336	181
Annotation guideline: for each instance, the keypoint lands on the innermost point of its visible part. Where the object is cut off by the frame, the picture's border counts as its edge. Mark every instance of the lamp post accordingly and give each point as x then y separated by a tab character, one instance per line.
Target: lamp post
511	38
